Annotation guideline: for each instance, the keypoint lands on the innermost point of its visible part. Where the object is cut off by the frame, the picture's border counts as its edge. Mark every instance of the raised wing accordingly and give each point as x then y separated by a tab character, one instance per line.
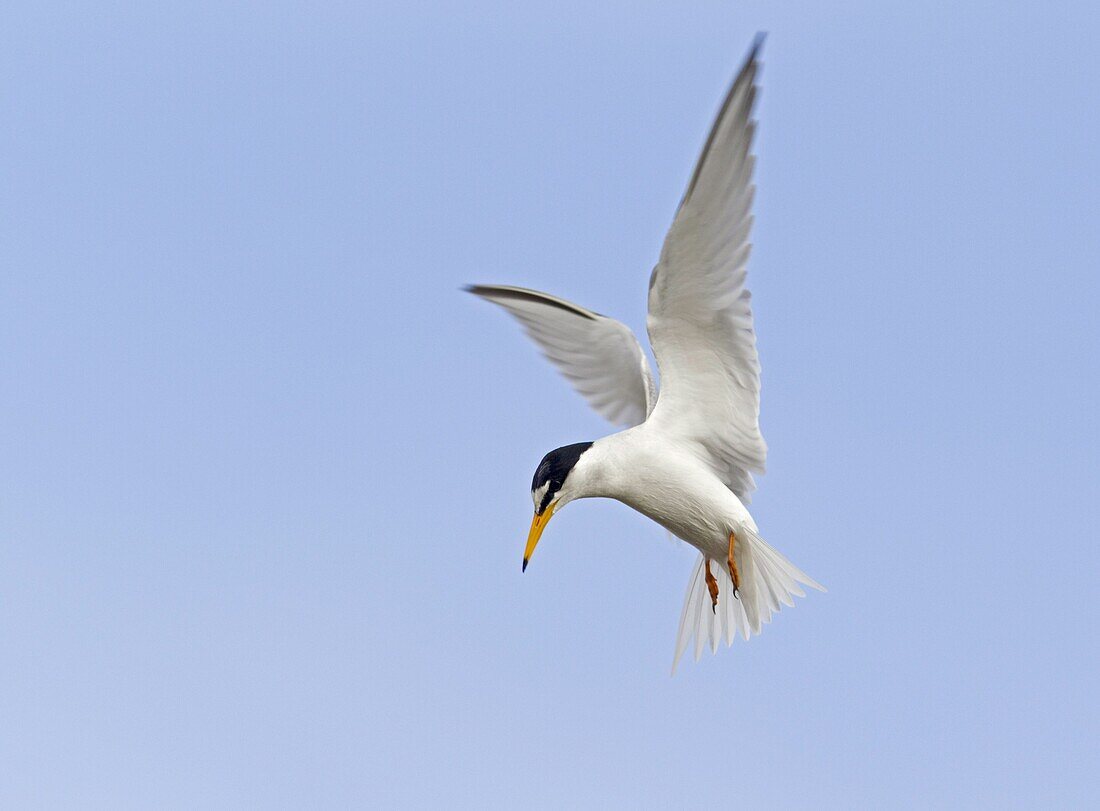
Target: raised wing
598	355
700	322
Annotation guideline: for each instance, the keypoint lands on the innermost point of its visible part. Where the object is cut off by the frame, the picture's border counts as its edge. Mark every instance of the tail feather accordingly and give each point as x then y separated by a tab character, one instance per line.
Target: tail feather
768	582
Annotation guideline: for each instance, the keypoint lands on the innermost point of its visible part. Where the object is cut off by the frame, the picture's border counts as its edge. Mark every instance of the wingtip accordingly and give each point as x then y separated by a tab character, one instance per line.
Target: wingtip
480	290
754	50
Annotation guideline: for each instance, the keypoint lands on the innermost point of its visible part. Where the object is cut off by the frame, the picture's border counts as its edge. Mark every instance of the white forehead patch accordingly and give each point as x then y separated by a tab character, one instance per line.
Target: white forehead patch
537	495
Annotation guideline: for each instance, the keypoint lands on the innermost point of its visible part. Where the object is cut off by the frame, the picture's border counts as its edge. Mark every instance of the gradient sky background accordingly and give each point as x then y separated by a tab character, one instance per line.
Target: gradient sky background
264	469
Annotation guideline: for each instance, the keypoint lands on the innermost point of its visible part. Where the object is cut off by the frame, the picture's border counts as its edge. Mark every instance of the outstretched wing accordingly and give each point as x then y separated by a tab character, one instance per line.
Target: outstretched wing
700	322
598	355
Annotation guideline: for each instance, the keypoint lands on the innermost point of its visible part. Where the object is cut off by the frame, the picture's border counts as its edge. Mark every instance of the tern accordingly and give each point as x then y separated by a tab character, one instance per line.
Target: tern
688	452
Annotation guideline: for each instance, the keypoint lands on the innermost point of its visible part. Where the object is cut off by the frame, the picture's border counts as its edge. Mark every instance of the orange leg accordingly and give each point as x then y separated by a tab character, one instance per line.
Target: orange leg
736	575
712	587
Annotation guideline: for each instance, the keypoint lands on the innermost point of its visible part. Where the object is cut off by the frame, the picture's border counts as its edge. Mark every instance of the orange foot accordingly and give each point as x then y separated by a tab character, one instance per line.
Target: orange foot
736	575
712	587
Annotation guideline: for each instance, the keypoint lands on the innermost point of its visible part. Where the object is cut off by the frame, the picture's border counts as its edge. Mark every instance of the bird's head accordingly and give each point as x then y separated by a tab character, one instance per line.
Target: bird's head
553	486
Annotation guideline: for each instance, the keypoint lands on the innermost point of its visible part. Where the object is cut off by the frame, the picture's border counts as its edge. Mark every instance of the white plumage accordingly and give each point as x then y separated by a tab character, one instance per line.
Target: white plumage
687	459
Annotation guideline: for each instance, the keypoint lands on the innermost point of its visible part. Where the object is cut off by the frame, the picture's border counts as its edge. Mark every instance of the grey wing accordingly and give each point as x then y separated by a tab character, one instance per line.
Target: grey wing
700	320
598	355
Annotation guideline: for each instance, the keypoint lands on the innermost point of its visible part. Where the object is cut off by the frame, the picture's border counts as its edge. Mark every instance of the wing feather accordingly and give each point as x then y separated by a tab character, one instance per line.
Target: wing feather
598	355
700	320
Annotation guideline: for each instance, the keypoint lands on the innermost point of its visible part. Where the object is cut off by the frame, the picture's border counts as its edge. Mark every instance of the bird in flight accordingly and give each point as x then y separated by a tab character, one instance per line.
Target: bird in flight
687	454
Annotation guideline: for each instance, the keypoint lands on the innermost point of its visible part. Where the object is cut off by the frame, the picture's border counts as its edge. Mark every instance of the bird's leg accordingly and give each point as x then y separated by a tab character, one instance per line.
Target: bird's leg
712	587
736	575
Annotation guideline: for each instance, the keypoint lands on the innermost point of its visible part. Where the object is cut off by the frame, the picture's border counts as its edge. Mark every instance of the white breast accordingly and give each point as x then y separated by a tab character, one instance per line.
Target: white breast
665	481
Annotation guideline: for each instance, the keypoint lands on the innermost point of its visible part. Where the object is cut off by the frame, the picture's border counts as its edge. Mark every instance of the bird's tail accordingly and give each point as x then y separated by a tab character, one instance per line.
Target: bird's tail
767	580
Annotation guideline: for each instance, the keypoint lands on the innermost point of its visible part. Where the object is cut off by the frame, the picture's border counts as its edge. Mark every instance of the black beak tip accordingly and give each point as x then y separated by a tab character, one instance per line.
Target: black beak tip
524	565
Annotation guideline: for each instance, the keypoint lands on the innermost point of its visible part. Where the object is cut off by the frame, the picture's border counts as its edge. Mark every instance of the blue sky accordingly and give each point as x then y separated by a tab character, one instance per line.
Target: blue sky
264	469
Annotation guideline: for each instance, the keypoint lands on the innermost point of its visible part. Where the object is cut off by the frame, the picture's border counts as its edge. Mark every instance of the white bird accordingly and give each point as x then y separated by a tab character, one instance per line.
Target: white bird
687	456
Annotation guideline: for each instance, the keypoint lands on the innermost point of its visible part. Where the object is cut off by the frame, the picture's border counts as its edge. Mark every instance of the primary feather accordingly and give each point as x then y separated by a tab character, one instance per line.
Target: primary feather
598	355
700	322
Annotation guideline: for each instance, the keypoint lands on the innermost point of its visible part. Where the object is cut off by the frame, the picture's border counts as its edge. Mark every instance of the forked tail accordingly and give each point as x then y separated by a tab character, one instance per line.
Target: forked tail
767	580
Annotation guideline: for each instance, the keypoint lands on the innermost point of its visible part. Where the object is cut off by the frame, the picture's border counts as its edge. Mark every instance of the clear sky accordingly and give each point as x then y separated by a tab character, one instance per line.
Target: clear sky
264	469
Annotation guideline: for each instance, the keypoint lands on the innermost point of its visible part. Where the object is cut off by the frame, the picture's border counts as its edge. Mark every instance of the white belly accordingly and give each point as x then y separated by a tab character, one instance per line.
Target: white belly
675	489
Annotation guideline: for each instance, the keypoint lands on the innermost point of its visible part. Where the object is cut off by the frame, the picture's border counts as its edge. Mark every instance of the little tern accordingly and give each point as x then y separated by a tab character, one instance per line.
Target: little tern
687	455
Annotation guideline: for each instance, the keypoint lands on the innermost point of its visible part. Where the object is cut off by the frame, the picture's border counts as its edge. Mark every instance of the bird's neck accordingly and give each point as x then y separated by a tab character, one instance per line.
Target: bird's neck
603	469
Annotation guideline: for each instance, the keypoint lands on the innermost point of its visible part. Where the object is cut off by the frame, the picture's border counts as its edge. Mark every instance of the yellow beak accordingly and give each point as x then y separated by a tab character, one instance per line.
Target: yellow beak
538	524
